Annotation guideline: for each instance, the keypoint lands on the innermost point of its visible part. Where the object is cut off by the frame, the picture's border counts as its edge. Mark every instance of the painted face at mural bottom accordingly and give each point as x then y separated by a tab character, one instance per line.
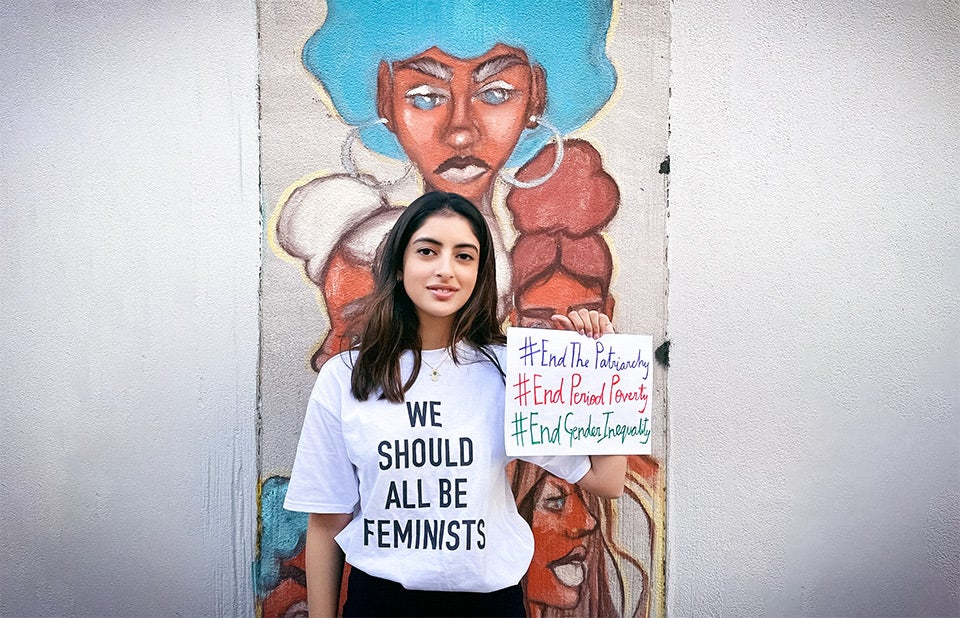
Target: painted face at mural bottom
440	266
459	119
558	293
563	527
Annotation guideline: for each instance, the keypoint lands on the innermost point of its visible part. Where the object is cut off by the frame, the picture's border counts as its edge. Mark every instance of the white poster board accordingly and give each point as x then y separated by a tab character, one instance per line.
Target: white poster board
568	394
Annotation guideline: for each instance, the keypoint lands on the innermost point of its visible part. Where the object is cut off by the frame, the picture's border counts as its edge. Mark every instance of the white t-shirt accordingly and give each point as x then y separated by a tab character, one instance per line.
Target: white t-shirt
424	479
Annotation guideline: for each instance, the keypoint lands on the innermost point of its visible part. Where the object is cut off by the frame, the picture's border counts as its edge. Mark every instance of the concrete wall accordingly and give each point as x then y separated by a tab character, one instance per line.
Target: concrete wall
814	309
814	213
129	291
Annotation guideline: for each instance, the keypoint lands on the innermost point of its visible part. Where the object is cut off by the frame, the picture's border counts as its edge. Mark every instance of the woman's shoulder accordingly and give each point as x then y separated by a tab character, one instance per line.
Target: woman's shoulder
333	379
338	367
492	354
498	350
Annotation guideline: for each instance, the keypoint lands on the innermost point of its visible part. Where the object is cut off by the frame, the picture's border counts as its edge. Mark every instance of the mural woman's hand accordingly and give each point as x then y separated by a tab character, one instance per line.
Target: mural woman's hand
590	323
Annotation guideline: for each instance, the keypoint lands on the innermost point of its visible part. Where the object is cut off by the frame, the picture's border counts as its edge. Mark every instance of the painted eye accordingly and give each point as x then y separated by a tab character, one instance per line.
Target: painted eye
426	101
426	97
555	503
496	92
495	96
533	321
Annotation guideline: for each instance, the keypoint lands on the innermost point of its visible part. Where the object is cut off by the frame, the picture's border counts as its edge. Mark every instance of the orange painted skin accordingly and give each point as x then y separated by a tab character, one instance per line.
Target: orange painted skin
290	595
558	293
564	527
459	119
346	285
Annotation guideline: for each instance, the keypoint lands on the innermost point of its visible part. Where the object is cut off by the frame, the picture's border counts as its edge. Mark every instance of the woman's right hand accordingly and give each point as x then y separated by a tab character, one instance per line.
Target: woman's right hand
586	322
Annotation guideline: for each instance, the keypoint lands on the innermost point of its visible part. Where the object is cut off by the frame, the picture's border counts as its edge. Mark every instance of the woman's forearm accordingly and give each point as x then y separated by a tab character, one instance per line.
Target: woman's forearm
606	475
324	562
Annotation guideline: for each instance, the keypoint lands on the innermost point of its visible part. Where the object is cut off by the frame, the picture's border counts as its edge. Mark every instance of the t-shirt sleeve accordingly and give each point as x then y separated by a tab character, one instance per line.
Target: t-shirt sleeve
570	468
323	478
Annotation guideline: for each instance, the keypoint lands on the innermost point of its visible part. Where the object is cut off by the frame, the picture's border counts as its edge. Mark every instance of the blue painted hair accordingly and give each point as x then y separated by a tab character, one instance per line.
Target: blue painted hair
282	534
568	39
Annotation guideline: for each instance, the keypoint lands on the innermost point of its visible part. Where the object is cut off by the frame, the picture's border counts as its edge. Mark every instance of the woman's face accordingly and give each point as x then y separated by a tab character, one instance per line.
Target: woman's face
558	293
440	266
459	119
562	526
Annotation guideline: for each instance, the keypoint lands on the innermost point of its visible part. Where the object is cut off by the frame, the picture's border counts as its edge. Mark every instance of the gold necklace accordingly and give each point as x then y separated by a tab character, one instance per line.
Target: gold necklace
435	373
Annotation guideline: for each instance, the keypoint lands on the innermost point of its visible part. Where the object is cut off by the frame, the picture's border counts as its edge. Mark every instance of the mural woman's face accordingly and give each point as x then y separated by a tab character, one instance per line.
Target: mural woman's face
558	293
562	525
459	119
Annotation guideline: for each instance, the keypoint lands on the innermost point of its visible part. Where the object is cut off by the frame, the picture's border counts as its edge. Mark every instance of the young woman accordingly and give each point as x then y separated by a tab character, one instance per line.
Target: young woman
401	457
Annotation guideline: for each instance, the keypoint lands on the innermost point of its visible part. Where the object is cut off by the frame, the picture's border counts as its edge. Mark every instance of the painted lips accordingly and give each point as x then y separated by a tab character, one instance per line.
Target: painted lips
571	570
461	170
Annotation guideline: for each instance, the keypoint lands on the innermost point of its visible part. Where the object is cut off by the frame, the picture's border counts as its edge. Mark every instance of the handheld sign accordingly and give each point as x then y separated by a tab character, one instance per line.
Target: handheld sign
572	395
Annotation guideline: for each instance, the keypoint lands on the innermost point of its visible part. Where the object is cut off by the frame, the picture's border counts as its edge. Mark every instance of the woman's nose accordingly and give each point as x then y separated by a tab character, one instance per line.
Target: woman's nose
461	132
445	267
581	522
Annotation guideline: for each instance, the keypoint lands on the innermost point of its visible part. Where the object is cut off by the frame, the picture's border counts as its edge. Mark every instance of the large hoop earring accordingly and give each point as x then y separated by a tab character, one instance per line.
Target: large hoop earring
346	158
536	182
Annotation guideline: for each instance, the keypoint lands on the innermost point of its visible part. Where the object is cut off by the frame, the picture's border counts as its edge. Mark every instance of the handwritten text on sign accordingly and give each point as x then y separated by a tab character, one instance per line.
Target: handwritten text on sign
568	394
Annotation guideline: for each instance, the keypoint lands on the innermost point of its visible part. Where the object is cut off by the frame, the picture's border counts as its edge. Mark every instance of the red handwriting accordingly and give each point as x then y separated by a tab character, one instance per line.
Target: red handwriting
610	392
543	395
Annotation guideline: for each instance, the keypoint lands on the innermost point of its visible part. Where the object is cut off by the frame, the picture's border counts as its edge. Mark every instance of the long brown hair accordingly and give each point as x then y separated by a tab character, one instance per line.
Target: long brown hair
390	325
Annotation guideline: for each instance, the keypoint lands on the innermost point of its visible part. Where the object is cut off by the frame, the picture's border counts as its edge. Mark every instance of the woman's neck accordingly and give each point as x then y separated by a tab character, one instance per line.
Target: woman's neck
435	334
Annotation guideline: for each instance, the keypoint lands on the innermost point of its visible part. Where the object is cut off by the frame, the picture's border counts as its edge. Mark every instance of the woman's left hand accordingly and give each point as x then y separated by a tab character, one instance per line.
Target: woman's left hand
590	323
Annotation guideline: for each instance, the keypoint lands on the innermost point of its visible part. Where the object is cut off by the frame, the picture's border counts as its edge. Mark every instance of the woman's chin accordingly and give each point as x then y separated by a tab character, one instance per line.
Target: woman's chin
556	595
560	600
475	189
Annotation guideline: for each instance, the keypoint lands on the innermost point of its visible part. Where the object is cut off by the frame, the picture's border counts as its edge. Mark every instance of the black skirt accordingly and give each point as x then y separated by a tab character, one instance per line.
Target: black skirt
371	596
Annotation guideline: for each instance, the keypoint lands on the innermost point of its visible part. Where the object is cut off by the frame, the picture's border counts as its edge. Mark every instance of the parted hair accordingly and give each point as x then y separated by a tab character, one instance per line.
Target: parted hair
390	326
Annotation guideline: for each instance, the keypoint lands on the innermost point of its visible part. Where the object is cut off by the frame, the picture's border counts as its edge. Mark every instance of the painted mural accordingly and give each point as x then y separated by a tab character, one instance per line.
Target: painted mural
495	100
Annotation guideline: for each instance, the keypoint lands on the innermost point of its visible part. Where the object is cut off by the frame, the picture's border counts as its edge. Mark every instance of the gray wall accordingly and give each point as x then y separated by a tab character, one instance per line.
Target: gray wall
814	433
129	292
813	420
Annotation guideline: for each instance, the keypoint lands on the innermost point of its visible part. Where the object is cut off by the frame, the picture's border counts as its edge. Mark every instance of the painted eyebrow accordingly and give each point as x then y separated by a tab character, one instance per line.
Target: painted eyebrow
431	67
495	65
540	311
463	245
